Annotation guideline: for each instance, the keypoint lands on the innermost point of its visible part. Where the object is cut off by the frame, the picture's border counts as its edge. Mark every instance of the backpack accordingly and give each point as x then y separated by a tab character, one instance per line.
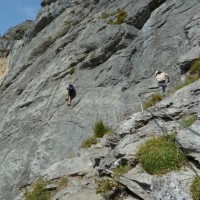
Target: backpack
71	89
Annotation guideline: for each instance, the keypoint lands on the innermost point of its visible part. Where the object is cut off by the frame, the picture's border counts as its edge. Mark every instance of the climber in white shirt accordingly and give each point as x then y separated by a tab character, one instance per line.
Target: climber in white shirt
162	79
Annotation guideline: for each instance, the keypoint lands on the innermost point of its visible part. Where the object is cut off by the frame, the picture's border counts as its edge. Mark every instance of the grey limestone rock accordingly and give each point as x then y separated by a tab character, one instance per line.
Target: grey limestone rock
172	186
18	32
112	64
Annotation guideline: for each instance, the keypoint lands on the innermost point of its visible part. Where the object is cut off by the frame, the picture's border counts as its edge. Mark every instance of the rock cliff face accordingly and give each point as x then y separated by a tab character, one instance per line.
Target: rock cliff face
111	50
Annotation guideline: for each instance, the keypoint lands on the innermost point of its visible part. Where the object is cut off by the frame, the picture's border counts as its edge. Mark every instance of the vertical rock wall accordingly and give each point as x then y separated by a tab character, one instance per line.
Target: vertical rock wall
112	63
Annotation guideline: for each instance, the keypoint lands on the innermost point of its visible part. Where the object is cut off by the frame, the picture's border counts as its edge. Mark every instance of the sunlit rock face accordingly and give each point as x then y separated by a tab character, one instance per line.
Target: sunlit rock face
110	50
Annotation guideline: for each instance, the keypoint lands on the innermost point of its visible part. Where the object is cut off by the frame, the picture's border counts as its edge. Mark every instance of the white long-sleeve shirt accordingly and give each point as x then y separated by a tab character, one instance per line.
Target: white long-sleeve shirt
162	77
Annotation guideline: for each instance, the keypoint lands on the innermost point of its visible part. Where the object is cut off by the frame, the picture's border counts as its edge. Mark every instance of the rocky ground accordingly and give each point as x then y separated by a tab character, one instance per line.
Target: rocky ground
100	160
111	50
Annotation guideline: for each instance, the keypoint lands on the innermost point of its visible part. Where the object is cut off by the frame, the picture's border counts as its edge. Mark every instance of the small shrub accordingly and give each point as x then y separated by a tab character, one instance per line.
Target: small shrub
121	169
72	70
195	188
188	120
100	129
119	18
152	100
195	69
88	142
39	192
160	155
108	187
187	81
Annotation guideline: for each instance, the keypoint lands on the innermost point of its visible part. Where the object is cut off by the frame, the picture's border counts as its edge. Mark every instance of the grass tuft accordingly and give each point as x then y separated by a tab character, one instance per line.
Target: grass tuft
121	169
188	80
160	155
108	187
72	70
99	130
38	192
195	188
88	142
119	18
152	100
188	120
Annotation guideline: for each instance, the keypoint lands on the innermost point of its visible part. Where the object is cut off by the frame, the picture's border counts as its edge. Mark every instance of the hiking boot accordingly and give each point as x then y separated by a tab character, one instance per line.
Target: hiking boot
69	104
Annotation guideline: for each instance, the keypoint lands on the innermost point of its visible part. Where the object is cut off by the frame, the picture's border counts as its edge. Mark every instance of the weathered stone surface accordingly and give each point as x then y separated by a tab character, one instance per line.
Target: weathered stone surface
5	46
135	121
49	11
105	163
127	146
73	166
190	141
173	186
113	63
18	32
135	188
78	189
129	198
51	187
137	174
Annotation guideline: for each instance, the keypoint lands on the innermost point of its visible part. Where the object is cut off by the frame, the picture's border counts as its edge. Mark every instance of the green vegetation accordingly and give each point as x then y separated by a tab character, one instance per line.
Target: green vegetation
152	100
72	70
188	120
104	15
109	188
160	155
195	188
119	18
88	142
187	81
194	74
99	130
106	186
38	192
195	69
121	169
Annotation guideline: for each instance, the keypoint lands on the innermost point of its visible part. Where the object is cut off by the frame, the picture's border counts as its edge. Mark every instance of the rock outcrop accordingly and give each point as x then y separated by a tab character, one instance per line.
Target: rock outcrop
18	32
3	68
110	49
